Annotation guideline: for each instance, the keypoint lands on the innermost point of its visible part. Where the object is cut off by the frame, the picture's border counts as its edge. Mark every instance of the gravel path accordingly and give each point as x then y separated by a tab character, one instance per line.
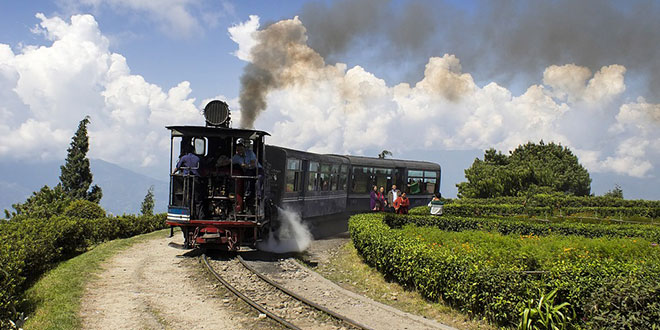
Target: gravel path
149	287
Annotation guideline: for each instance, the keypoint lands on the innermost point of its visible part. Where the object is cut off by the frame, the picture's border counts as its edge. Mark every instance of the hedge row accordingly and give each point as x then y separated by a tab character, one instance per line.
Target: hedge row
608	282
560	200
507	226
29	247
463	209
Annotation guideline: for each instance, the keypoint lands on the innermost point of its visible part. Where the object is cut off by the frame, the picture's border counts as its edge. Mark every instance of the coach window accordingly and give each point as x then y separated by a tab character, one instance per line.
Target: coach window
343	177
293	175
415	182
334	177
361	179
324	177
381	176
421	182
430	181
312	182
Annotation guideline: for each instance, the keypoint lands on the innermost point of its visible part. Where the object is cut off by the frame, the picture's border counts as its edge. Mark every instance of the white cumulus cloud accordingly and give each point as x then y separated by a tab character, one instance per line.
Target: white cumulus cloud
50	88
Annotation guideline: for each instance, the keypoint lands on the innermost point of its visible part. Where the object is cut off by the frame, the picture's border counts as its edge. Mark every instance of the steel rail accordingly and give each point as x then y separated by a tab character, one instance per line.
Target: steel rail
247	299
300	298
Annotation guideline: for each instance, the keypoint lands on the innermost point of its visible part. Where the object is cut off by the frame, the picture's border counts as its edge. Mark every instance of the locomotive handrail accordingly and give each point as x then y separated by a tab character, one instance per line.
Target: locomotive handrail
244	177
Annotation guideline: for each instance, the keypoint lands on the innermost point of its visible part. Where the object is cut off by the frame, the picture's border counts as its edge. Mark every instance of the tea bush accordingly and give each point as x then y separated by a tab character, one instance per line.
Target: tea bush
547	204
559	200
478	209
493	275
527	227
29	247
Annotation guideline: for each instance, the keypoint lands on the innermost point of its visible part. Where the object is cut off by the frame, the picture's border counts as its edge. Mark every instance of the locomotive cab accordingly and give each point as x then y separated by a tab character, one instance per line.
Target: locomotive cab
217	186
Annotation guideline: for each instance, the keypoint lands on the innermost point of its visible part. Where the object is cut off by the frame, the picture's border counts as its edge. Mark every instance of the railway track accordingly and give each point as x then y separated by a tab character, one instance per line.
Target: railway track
273	300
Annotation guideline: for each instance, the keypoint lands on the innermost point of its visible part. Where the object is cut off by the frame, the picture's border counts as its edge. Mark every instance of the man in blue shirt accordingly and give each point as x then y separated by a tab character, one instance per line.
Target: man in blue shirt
247	160
189	163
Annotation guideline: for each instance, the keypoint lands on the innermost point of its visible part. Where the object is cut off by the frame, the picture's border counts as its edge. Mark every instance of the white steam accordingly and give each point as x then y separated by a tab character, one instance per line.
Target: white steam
291	236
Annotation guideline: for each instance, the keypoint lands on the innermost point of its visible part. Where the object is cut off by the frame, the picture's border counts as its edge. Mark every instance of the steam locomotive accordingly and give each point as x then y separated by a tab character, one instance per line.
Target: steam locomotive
226	203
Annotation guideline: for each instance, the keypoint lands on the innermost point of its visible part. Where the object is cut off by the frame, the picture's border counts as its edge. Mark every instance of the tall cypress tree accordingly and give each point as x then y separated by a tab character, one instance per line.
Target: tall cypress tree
76	176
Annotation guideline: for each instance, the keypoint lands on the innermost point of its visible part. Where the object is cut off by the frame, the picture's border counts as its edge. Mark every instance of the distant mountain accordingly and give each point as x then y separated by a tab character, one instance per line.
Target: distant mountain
123	189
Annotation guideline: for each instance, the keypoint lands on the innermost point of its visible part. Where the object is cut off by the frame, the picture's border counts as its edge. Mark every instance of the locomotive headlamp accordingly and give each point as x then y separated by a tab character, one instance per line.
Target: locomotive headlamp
217	114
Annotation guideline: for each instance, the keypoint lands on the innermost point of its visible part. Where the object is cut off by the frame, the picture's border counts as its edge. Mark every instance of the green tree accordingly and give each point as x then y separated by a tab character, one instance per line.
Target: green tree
148	202
76	175
383	154
530	168
43	204
616	192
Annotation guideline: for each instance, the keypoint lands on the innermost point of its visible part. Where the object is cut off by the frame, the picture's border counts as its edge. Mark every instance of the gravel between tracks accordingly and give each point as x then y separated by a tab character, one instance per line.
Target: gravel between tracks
272	299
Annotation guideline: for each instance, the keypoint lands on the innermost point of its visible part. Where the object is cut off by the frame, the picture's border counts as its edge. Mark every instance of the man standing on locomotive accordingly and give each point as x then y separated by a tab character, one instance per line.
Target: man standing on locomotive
189	162
248	162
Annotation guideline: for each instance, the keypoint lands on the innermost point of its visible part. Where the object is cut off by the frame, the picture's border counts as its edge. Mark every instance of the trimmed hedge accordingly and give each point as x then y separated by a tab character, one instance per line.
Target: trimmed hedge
31	246
480	209
507	226
487	274
541	204
560	200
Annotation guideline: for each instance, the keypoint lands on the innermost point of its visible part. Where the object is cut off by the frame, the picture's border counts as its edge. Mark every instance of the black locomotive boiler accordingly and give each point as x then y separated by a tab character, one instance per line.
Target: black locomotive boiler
224	203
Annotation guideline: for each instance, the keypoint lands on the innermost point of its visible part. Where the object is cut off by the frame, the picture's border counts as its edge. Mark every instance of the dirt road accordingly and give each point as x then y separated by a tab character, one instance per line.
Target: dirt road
149	287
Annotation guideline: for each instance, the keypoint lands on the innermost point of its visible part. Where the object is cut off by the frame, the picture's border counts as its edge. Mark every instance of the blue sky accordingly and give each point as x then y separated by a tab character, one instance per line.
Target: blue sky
443	77
204	59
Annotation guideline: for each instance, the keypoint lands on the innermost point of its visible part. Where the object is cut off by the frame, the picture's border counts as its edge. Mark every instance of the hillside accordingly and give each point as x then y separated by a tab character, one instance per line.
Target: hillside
123	189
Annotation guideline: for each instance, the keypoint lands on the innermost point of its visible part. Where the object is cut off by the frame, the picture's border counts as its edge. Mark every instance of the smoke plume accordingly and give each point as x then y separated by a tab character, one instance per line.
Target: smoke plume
278	59
502	40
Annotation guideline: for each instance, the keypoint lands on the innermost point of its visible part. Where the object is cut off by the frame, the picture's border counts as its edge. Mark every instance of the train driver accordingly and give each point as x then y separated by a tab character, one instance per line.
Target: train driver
248	162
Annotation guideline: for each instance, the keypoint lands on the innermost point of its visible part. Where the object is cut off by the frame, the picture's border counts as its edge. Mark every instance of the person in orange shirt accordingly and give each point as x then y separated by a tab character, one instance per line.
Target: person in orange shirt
401	204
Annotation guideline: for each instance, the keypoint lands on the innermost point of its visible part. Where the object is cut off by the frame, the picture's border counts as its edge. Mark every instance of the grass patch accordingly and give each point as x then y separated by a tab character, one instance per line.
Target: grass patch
347	269
56	297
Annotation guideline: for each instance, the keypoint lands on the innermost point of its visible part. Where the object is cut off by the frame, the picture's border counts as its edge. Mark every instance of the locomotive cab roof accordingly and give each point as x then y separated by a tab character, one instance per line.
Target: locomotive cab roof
215	132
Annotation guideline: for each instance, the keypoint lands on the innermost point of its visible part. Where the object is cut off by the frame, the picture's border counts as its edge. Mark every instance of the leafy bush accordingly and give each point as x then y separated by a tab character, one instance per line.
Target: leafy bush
84	209
625	303
557	201
526	227
480	209
29	247
493	275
